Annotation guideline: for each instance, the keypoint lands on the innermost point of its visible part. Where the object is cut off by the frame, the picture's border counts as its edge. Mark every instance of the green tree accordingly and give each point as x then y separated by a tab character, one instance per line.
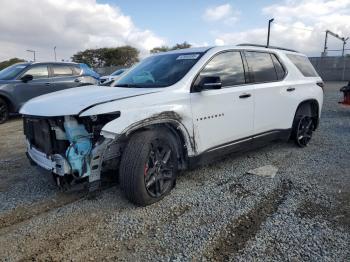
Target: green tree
9	62
101	57
160	49
166	48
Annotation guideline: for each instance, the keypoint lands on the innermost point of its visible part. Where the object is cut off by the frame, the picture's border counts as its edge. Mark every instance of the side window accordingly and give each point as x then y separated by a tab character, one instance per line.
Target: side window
303	64
262	67
62	70
76	70
228	66
39	71
278	66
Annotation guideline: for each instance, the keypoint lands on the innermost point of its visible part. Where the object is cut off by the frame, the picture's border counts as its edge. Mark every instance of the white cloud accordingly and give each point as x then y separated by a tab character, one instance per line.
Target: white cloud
299	25
224	13
71	25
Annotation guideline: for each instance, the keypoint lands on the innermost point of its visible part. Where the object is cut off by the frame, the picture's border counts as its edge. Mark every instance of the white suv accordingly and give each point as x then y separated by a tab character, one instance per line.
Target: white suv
172	111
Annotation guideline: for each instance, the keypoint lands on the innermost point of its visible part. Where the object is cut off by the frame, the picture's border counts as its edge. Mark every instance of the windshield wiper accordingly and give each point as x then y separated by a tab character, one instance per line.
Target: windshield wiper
128	85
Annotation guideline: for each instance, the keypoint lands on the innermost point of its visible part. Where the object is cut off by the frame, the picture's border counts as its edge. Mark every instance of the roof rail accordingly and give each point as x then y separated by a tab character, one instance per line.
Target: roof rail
272	47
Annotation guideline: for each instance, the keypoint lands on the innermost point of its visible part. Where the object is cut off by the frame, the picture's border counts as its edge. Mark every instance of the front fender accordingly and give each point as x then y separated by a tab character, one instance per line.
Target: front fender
131	121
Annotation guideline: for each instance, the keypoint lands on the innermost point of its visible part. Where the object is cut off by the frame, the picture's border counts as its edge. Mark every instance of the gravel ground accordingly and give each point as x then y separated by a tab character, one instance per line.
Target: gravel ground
216	213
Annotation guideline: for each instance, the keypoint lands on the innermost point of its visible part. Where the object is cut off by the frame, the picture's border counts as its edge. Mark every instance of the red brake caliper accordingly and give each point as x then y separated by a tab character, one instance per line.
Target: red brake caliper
146	169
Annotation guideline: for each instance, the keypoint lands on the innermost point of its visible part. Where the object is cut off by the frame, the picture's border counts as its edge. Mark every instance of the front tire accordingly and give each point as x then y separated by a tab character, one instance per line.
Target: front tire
4	111
148	166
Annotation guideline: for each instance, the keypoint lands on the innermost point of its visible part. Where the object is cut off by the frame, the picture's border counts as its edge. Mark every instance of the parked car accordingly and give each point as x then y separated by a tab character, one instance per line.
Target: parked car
89	71
23	81
114	76
171	112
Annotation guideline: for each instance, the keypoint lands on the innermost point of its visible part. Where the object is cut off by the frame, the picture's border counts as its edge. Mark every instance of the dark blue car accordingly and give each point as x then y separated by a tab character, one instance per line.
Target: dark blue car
23	81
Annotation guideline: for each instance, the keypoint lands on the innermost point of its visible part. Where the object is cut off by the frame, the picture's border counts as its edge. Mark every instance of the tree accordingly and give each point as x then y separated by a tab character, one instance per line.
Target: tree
118	56
166	48
9	62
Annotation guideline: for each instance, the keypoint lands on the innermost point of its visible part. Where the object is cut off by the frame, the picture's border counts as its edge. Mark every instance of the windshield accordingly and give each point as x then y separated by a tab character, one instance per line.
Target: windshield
11	72
160	70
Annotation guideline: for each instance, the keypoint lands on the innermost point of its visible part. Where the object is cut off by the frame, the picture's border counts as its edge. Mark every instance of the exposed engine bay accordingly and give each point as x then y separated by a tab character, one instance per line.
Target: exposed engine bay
70	147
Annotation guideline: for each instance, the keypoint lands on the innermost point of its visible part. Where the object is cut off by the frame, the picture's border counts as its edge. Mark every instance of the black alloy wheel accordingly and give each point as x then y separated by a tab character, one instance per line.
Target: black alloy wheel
305	127
159	169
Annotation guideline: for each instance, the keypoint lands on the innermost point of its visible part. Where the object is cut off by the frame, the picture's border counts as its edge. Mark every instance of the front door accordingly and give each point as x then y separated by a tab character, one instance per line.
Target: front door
223	117
40	85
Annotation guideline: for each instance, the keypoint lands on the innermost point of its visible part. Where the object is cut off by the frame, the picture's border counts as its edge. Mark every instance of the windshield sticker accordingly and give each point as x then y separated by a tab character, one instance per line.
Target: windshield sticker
185	57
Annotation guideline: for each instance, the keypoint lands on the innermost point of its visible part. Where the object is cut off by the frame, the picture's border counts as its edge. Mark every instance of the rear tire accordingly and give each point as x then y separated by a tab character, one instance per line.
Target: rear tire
303	127
4	111
148	166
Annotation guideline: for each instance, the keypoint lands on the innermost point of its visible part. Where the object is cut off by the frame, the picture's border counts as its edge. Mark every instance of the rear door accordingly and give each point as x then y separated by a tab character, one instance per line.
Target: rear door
65	76
41	84
223	117
271	95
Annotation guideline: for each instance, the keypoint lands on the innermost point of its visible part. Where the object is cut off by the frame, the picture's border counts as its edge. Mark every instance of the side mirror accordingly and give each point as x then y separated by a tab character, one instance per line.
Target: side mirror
208	83
26	78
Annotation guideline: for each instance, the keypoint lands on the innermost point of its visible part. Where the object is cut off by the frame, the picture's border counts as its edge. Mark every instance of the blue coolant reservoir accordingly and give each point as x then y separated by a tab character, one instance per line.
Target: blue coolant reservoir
78	153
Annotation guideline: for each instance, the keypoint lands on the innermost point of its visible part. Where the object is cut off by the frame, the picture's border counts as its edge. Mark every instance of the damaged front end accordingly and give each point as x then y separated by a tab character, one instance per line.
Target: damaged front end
72	148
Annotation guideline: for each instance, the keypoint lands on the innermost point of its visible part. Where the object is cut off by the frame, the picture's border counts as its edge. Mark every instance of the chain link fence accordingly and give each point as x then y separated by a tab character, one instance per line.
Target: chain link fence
332	68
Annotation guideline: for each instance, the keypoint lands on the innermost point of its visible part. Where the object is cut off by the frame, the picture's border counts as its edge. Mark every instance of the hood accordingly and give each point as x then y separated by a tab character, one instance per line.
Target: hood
74	101
2	82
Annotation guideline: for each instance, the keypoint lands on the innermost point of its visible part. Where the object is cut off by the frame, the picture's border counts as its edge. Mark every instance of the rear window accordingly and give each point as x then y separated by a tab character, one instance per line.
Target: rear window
303	64
62	70
262	66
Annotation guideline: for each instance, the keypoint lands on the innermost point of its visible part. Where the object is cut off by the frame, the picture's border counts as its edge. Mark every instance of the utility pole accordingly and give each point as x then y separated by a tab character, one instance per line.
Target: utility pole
32	51
344	43
54	50
268	32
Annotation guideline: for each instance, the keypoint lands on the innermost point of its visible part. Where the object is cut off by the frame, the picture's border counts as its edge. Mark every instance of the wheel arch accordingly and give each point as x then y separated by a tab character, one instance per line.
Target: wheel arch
309	107
9	102
174	129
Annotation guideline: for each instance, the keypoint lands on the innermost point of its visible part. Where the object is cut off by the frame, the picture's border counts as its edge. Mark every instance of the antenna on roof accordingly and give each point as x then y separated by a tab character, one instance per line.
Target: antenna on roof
268	32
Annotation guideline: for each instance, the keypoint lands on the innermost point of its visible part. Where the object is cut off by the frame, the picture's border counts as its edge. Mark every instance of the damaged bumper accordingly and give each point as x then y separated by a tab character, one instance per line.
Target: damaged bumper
55	163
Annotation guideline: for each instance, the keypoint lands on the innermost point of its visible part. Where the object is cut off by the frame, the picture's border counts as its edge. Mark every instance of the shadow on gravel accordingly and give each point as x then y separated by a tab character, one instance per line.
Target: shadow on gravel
338	215
236	235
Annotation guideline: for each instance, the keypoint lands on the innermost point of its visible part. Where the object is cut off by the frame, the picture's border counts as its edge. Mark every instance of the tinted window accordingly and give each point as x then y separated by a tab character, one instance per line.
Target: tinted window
39	71
228	66
279	68
62	70
159	70
262	67
303	64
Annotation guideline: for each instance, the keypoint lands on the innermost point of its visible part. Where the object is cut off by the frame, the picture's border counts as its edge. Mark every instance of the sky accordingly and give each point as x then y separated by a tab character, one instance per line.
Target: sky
75	25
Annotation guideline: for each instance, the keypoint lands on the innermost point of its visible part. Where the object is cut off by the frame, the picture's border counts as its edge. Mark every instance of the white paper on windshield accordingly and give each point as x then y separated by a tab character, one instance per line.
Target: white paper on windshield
186	57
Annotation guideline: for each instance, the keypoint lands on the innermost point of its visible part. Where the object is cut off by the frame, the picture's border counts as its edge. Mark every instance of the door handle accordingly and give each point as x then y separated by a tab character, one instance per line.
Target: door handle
77	80
290	89
245	95
47	84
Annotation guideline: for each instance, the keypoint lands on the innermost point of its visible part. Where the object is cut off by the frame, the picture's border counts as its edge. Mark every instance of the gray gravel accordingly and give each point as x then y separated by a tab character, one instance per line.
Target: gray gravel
216	213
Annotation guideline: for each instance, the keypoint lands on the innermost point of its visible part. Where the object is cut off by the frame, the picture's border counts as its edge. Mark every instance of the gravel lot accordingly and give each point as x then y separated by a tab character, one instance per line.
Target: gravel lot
216	213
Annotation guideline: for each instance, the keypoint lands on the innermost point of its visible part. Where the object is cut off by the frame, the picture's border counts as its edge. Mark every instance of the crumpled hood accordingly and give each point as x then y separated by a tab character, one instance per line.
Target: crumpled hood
75	100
